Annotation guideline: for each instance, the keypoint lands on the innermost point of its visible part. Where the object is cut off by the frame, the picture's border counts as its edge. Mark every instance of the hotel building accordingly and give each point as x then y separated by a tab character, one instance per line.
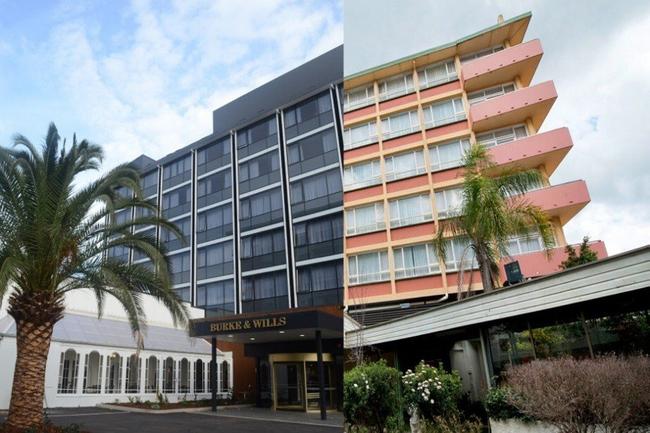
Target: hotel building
407	124
260	204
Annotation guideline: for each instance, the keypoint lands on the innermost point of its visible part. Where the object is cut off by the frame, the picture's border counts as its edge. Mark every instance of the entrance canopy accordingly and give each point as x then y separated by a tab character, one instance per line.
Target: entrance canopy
280	326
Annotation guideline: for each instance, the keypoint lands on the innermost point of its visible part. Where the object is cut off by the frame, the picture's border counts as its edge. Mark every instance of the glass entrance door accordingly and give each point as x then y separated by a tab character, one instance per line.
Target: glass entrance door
313	388
289	385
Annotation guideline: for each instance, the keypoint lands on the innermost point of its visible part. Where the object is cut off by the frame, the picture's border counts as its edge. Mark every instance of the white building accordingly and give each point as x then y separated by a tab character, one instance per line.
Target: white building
95	360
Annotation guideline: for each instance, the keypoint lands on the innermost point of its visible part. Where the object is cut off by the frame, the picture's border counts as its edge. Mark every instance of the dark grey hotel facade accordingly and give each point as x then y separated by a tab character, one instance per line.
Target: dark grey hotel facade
260	199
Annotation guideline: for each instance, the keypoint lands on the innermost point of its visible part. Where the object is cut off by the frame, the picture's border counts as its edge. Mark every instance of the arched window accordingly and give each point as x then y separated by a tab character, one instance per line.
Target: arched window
68	369
113	374
199	376
93	373
169	375
225	384
133	374
209	389
151	375
184	379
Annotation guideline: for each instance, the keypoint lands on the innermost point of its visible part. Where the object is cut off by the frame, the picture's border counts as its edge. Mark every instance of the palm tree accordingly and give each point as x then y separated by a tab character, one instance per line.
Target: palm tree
55	238
493	210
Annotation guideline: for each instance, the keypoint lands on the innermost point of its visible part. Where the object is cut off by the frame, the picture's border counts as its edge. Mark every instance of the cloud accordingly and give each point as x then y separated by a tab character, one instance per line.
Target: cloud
150	85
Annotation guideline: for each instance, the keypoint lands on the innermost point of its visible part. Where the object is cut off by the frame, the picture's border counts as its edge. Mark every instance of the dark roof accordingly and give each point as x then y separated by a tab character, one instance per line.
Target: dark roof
297	84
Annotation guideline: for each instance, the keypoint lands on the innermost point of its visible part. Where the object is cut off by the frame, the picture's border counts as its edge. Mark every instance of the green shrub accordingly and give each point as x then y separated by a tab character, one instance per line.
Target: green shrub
372	397
498	405
432	390
452	424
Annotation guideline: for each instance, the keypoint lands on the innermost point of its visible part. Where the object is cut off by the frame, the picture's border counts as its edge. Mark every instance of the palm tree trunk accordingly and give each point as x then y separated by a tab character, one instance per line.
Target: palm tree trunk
33	345
484	269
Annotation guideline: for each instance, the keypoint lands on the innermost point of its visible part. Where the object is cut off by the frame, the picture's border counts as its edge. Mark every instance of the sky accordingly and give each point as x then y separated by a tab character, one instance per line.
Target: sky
143	77
598	54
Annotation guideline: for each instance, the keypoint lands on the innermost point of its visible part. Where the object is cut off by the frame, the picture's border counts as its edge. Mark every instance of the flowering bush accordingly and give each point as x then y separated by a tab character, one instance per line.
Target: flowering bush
432	391
371	396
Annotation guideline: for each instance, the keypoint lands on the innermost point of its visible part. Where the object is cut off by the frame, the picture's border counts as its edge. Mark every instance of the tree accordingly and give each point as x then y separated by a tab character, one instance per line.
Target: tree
586	255
494	209
55	238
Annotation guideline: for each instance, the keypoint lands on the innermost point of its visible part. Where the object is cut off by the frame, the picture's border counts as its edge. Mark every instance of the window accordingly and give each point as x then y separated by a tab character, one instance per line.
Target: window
308	115
459	255
265	292
364	219
405	165
184	376
449	202
171	241
149	184
318	237
177	202
213	156
415	261
225	377
257	137
315	193
218	297
502	136
396	86
489	93
261	209
214	189
214	223
436	74
113	374
534	185
312	152
449	154
359	97
177	172
410	210
123	216
400	124
169	375
320	284
523	244
214	261
259	172
119	252
443	113
360	135
93	373
368	267
362	174
263	250
199	376
151	375
133	374
180	268
481	53
68	371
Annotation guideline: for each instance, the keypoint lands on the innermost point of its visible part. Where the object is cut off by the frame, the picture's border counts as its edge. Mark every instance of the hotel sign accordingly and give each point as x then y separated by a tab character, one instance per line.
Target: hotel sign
248	324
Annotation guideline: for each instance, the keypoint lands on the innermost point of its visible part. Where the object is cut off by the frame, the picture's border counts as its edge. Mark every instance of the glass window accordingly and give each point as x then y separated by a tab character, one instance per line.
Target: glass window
320	284
177	172
149	184
171	241
359	97
523	244
93	373
214	260
214	223
459	254
489	93
315	193
169	375
180	268
308	115
312	152
261	209
257	137
360	135
368	267
481	53
449	202
151	374
177	202
218	297
405	165
443	113
259	172
406	211
265	292
362	174
213	156
263	250
68	372
318	237
400	124
436	74
199	376
449	154
214	189
364	219
113	374
396	86
133	374
502	136
415	260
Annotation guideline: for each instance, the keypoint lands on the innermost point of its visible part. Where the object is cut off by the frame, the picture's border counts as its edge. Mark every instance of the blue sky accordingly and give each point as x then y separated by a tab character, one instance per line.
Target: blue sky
143	76
598	54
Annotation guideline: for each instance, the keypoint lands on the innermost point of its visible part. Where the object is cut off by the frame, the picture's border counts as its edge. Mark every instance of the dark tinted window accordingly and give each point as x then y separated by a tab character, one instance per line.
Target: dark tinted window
261	209
151	233
257	137
259	172
319	237
214	188
171	241
308	115
213	156
214	224
177	202
313	152
263	250
180	268
149	184
177	172
265	292
217	296
315	193
214	261
320	284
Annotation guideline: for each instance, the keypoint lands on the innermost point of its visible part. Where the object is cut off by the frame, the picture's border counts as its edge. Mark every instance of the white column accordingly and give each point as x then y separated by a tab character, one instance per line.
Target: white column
191	375
160	375
103	359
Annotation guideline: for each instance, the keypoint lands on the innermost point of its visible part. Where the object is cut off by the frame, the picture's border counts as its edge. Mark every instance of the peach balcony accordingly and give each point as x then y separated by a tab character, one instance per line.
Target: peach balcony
563	201
515	107
503	66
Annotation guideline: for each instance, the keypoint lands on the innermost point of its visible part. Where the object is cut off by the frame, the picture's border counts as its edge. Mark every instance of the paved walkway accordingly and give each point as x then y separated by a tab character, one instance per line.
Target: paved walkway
227	420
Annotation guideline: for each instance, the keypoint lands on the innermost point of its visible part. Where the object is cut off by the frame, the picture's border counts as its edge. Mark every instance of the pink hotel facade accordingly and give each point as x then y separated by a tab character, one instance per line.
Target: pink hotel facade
406	125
